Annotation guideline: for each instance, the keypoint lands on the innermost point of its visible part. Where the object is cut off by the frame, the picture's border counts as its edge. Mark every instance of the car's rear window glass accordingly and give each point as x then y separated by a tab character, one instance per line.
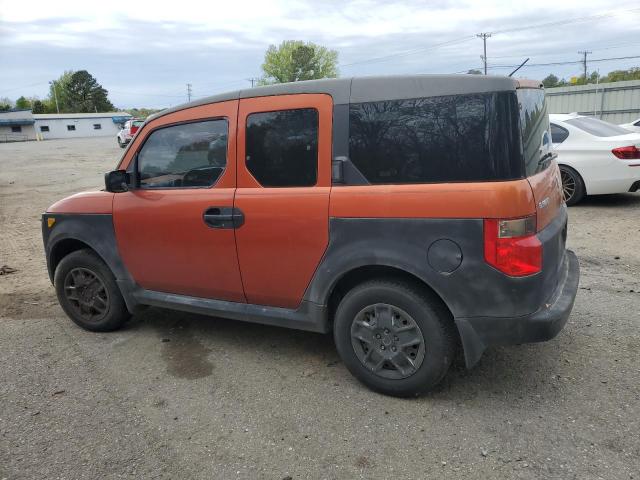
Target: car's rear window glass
282	147
186	155
457	138
597	127
534	124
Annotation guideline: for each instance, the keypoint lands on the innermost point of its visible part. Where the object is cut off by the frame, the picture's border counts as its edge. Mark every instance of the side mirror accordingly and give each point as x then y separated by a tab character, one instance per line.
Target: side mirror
116	181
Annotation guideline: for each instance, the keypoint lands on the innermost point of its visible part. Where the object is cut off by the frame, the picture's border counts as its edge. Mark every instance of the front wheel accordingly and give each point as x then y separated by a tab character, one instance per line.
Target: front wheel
573	188
88	293
394	337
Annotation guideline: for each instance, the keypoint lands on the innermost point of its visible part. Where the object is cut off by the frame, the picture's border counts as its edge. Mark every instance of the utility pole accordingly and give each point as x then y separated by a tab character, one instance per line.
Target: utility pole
584	62
484	37
253	81
55	94
188	92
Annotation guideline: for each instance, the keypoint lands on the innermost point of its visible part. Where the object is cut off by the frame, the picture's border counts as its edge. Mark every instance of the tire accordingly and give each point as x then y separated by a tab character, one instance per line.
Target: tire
573	188
88	293
393	314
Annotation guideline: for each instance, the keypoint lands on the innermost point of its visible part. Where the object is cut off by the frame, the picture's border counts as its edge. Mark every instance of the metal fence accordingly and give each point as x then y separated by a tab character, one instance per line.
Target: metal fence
617	102
13	137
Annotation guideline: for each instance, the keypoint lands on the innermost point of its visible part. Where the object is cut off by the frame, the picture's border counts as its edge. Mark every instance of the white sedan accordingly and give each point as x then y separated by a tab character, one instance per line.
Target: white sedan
595	157
632	126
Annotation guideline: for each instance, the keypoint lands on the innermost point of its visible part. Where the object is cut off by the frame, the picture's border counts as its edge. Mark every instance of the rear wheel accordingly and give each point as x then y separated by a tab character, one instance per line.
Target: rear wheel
88	293
394	337
572	185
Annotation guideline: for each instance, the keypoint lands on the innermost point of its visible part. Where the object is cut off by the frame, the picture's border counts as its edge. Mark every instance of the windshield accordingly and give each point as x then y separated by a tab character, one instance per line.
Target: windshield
597	127
534	125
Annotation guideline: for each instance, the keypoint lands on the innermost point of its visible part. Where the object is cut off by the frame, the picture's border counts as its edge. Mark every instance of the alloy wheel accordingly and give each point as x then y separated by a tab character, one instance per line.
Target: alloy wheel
87	294
568	185
387	341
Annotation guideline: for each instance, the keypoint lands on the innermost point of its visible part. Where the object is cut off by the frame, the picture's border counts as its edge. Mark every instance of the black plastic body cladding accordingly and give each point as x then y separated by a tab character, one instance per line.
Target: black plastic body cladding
97	232
473	289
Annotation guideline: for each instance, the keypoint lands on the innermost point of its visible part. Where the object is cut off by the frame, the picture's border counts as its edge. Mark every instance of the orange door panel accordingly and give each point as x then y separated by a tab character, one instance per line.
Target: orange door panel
286	229
161	233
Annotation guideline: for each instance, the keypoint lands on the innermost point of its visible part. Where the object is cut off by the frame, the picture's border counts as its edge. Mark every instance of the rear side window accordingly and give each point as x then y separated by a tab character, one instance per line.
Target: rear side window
558	134
457	138
597	127
282	147
534	124
187	155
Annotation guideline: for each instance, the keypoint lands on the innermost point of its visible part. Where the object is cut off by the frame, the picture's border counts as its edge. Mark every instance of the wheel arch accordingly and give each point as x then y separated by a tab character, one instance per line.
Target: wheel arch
355	276
572	167
64	247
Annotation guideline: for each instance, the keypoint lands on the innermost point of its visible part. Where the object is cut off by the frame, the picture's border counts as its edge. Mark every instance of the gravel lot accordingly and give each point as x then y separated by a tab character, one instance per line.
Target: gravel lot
176	395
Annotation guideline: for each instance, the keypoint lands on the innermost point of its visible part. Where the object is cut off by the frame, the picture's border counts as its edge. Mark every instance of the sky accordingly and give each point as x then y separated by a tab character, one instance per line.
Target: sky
145	52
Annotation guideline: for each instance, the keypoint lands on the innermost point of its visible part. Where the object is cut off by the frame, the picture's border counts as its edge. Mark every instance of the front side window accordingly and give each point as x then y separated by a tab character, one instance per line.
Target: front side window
282	147
534	124
558	134
186	155
455	138
597	127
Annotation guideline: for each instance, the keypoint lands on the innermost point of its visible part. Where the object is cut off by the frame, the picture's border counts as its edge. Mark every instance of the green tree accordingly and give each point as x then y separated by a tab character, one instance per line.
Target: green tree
61	86
85	94
622	75
5	104
23	103
474	71
550	81
141	112
294	60
38	106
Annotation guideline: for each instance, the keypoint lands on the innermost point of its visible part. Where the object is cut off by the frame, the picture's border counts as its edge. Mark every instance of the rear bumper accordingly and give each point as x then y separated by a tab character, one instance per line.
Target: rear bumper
478	333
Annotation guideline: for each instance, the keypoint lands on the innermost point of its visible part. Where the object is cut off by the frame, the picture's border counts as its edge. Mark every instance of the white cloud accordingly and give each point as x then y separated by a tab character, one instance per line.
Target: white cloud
217	44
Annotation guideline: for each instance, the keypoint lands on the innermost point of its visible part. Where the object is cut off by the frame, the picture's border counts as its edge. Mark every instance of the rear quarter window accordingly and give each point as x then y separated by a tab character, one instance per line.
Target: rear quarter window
457	138
534	125
558	134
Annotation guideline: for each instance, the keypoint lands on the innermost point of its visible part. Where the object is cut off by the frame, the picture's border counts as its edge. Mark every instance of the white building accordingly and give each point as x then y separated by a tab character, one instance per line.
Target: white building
16	126
76	125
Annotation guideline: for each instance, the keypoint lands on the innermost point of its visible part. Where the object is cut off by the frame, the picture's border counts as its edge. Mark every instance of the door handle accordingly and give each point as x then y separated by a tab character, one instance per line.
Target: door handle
223	217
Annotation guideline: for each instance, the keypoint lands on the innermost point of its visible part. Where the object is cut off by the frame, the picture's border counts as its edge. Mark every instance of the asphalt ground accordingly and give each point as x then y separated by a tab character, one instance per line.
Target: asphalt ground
175	395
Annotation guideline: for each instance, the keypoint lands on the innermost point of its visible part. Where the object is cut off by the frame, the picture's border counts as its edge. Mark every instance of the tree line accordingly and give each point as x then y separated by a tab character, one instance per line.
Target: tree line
72	92
615	76
291	61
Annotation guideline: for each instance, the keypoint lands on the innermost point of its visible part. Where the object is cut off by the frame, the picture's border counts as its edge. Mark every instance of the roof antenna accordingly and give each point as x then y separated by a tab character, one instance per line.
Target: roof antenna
519	67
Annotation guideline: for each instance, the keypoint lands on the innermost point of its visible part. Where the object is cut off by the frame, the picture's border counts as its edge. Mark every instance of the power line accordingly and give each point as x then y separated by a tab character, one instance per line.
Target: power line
409	52
567	21
496	32
568	62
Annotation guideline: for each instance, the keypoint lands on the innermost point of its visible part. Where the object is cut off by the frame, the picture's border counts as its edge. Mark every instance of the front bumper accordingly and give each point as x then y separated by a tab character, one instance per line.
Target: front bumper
478	333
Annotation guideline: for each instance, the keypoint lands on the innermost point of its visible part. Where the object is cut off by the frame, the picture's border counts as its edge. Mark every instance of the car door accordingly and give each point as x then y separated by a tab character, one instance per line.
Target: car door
284	182
172	229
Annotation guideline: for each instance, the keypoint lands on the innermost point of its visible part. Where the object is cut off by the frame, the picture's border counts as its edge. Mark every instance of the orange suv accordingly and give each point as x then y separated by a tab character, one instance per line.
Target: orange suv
411	216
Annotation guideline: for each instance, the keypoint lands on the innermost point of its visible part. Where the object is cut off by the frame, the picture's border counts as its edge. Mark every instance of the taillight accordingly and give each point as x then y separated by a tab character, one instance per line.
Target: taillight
626	153
512	247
